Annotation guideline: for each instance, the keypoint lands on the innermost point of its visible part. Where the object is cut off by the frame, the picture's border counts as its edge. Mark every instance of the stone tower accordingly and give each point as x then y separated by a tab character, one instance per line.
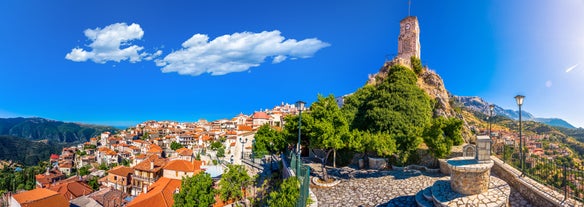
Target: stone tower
408	43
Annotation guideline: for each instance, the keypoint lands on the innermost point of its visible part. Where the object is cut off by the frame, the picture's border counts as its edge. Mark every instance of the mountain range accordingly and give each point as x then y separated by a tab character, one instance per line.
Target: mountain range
56	131
477	104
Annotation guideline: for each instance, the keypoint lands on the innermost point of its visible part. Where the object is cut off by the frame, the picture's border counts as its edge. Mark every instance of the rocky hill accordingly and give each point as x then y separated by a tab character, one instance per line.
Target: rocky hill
54	131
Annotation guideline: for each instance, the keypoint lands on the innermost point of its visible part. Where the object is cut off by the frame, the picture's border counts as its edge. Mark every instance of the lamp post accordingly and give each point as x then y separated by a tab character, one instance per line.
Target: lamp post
491	108
519	99
252	157
242	144
300	107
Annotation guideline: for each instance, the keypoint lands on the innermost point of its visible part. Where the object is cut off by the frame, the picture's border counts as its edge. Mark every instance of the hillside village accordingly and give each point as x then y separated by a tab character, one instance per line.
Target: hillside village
138	167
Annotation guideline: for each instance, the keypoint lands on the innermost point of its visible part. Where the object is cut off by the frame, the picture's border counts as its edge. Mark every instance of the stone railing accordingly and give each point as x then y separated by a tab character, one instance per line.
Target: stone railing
535	192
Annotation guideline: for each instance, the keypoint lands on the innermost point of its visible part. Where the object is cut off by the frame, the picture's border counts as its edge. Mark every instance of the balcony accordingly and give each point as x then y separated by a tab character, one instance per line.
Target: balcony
144	179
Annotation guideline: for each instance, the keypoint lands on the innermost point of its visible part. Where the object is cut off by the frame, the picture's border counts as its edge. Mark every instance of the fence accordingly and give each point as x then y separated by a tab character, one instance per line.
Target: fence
549	172
302	172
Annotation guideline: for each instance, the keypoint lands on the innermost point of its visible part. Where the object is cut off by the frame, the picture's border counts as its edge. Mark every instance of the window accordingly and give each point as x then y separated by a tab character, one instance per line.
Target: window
176	173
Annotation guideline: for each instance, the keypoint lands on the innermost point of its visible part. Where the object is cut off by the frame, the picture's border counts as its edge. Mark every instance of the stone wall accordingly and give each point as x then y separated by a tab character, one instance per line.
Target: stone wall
536	193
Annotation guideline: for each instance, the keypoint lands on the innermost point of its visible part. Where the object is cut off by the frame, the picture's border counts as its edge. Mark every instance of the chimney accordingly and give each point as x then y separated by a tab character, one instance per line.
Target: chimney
151	164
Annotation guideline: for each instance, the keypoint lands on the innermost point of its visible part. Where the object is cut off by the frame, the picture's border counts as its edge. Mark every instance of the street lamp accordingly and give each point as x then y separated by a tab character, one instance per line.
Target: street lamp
231	159
242	144
300	107
491	108
252	154
519	99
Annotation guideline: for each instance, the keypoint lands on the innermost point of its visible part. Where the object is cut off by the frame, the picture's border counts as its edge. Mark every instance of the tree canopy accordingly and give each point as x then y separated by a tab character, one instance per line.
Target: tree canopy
287	193
268	140
175	146
396	107
233	181
195	190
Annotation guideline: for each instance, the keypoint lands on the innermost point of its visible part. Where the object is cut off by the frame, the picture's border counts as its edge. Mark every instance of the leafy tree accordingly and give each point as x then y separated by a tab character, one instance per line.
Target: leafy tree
145	136
330	128
442	135
268	140
416	65
290	131
93	183
91	146
396	106
84	170
287	194
221	152
175	146
380	144
126	162
233	182
216	145
195	191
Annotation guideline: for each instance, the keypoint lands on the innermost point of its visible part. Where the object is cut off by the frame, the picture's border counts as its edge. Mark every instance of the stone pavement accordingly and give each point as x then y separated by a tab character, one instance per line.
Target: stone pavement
382	188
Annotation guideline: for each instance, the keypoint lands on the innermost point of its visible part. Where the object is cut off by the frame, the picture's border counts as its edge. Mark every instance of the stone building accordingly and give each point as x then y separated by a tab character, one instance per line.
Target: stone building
409	38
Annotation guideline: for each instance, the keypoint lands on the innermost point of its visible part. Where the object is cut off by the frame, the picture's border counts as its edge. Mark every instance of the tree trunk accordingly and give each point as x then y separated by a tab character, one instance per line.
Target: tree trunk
335	158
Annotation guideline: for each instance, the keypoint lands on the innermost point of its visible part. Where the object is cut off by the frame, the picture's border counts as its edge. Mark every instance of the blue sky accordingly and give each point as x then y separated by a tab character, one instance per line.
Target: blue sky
124	62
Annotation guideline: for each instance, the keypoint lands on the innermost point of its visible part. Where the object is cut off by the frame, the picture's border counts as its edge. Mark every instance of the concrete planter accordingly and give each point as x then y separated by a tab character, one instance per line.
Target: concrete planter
444	169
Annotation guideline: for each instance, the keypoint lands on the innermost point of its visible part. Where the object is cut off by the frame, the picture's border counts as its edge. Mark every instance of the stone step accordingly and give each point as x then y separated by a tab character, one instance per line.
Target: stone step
427	192
422	201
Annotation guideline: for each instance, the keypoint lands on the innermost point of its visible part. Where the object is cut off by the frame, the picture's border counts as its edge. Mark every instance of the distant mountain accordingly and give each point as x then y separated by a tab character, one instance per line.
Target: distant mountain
25	151
477	104
54	131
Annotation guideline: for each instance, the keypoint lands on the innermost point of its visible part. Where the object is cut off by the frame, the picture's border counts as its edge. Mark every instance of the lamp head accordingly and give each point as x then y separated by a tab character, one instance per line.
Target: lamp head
491	107
300	105
519	99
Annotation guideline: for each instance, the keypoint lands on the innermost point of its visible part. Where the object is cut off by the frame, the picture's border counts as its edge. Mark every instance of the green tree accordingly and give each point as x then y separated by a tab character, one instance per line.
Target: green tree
216	145
268	140
84	170
195	191
175	146
93	183
442	135
287	194
416	65
233	182
330	128
221	152
145	136
396	106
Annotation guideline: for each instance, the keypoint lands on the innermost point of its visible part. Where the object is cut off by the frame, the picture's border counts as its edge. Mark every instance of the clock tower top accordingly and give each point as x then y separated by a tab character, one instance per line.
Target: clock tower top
409	38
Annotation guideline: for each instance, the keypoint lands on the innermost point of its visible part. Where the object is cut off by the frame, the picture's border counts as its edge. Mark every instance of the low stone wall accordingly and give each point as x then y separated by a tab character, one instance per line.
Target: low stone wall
535	192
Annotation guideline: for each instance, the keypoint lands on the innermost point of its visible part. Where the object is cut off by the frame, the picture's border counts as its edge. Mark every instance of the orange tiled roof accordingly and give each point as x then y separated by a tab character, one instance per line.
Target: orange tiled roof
260	115
184	151
155	149
41	197
121	171
244	128
145	165
72	190
160	194
184	166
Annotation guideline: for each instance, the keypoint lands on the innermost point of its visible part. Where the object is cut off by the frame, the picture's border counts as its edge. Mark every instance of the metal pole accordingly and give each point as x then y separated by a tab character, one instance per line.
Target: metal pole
298	147
521	155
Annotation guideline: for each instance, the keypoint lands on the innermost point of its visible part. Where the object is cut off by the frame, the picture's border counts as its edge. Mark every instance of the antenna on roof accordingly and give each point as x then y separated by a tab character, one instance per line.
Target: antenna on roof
409	6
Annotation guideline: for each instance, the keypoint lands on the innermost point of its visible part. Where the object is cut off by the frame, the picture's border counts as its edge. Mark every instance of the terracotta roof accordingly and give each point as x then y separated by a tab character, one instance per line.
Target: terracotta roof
45	179
160	194
109	197
145	165
121	171
72	190
260	115
184	166
244	128
41	197
155	149
54	156
184	151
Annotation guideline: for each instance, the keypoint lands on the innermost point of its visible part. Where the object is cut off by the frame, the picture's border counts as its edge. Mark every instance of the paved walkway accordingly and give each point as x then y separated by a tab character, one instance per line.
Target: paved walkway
382	188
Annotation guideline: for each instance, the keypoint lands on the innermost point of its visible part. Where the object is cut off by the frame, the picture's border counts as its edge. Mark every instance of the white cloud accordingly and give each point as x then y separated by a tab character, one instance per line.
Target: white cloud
235	53
112	43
